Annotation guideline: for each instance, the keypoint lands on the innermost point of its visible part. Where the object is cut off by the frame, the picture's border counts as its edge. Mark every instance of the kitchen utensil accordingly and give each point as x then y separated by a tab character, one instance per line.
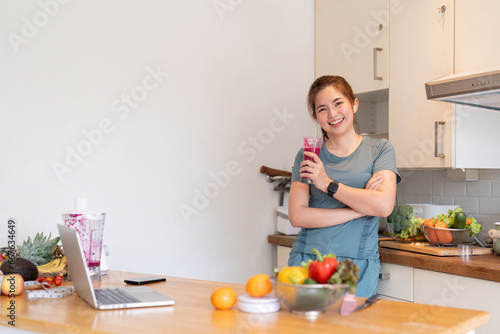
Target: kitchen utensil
349	304
90	226
308	299
446	236
495	235
368	302
426	248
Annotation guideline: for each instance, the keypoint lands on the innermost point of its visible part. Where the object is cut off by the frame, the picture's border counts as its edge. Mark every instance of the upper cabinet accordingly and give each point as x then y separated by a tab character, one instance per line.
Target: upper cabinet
352	40
398	46
421	50
476	35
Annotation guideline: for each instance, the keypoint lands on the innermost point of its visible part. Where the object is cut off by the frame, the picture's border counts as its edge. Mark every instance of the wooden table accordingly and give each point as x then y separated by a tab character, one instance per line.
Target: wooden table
193	313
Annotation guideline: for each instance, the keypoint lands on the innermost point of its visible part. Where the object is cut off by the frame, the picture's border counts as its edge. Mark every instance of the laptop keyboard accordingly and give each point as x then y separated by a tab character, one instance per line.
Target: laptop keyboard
114	296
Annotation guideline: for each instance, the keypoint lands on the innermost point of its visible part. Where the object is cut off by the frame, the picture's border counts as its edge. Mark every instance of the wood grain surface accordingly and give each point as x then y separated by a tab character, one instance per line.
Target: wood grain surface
193	313
426	248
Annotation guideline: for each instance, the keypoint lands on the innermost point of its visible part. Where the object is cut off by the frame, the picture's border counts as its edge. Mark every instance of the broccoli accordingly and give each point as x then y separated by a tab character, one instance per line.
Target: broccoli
401	217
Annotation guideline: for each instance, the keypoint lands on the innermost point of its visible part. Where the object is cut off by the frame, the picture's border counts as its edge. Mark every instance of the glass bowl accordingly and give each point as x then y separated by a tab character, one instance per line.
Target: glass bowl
446	236
308	299
413	236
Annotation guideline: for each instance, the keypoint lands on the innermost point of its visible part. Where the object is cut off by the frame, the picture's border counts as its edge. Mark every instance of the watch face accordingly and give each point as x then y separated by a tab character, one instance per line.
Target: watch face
332	188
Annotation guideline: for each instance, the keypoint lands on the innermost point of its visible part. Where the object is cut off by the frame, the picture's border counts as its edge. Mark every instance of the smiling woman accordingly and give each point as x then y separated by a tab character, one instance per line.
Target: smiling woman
353	183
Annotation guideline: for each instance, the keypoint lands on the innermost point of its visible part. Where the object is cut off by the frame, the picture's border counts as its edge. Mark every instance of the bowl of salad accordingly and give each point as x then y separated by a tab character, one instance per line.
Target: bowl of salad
452	228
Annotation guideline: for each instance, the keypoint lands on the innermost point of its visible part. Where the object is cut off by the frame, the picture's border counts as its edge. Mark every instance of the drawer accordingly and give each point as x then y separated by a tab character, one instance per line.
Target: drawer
396	281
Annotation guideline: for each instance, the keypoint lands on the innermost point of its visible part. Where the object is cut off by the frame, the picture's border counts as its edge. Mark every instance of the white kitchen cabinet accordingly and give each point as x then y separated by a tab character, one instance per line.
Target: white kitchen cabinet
476	30
440	289
283	253
395	282
352	40
421	50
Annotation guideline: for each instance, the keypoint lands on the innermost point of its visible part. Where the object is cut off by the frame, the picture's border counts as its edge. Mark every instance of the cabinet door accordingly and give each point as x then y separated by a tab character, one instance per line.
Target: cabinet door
396	282
283	253
421	50
347	33
439	289
476	35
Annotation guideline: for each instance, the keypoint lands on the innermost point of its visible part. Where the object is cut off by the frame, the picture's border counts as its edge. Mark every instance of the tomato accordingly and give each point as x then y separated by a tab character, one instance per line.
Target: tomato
223	298
58	280
48	279
259	285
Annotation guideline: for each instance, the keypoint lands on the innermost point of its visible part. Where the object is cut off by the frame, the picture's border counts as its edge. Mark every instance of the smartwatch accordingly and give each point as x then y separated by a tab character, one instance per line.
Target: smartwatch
332	188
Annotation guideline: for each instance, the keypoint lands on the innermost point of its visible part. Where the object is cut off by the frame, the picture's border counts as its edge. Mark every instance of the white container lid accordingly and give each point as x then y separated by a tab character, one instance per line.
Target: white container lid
82	208
265	304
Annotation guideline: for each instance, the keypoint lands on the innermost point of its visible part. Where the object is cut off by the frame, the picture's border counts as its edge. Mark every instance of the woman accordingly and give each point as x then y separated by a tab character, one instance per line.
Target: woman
353	183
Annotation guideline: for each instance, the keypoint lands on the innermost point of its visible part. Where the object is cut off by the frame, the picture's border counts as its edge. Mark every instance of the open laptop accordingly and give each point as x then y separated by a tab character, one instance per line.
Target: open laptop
104	299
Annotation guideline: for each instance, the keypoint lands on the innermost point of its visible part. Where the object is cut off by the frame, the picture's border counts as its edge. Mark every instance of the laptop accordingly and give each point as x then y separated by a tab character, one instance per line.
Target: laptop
104	299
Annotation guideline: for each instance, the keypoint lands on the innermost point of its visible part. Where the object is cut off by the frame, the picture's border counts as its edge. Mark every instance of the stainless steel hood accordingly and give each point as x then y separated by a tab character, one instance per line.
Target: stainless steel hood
479	89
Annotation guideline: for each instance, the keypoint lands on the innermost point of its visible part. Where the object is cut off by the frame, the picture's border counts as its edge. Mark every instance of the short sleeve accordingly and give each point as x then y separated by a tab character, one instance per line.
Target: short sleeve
385	159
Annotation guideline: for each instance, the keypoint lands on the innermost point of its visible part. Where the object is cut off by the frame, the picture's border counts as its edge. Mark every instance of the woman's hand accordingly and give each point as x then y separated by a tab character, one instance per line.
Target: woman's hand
374	182
315	171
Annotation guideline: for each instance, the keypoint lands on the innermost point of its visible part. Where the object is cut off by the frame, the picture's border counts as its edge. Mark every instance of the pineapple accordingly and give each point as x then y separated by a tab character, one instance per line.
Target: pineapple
40	250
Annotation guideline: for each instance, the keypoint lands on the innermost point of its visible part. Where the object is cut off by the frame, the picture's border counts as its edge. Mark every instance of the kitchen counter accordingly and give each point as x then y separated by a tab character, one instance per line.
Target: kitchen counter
193	313
479	266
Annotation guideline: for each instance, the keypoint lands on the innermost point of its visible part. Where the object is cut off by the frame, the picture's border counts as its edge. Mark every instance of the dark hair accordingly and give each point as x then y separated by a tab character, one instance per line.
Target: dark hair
325	81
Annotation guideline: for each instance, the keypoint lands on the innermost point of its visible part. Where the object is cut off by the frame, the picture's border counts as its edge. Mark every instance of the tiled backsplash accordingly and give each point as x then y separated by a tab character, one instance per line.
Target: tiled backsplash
481	198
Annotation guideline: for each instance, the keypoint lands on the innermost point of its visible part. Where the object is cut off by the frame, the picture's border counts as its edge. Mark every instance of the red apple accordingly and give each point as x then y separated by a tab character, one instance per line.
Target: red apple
12	285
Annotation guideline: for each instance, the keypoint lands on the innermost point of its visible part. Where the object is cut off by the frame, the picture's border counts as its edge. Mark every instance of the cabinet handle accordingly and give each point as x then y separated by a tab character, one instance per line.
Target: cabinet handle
384	276
375	75
436	139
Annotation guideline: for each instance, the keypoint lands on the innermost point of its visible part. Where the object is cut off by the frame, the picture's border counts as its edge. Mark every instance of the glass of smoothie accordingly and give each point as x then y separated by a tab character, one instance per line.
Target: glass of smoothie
311	144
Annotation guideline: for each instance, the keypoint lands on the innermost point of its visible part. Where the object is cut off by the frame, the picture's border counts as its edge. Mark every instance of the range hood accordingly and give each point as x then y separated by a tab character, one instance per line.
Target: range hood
478	89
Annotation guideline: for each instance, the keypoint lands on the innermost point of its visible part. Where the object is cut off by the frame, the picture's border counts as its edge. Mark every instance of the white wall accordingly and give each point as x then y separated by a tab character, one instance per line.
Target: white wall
228	94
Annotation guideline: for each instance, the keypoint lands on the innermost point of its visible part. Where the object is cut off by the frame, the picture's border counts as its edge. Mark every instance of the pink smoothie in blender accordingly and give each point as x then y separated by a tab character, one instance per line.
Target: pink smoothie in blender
90	226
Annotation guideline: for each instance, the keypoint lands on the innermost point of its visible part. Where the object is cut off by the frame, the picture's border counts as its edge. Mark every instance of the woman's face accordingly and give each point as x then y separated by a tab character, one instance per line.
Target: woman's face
334	112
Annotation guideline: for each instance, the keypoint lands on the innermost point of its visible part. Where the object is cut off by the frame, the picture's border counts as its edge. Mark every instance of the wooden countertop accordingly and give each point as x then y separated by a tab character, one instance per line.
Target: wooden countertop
479	266
193	313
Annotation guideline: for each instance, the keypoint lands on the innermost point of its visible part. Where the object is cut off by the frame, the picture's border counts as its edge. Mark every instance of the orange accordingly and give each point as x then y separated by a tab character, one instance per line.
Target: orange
259	285
223	298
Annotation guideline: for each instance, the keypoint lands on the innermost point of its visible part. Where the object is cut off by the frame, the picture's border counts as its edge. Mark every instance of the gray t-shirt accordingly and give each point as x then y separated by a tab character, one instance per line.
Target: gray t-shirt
357	238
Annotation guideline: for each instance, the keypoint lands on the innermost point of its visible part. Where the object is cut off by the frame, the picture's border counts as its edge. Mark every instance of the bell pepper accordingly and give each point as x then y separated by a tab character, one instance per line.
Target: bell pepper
323	268
460	220
293	275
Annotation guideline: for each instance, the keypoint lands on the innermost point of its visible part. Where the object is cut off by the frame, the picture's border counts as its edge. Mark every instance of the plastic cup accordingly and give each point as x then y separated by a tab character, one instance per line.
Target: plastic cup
90	228
311	144
465	251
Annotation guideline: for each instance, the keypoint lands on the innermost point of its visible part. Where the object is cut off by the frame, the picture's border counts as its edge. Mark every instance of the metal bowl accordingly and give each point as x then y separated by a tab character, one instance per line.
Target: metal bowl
308	299
446	236
413	236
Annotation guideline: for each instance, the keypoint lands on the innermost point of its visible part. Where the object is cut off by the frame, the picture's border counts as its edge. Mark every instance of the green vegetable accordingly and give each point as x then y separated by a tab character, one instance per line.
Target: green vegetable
347	273
460	220
449	219
309	280
404	223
